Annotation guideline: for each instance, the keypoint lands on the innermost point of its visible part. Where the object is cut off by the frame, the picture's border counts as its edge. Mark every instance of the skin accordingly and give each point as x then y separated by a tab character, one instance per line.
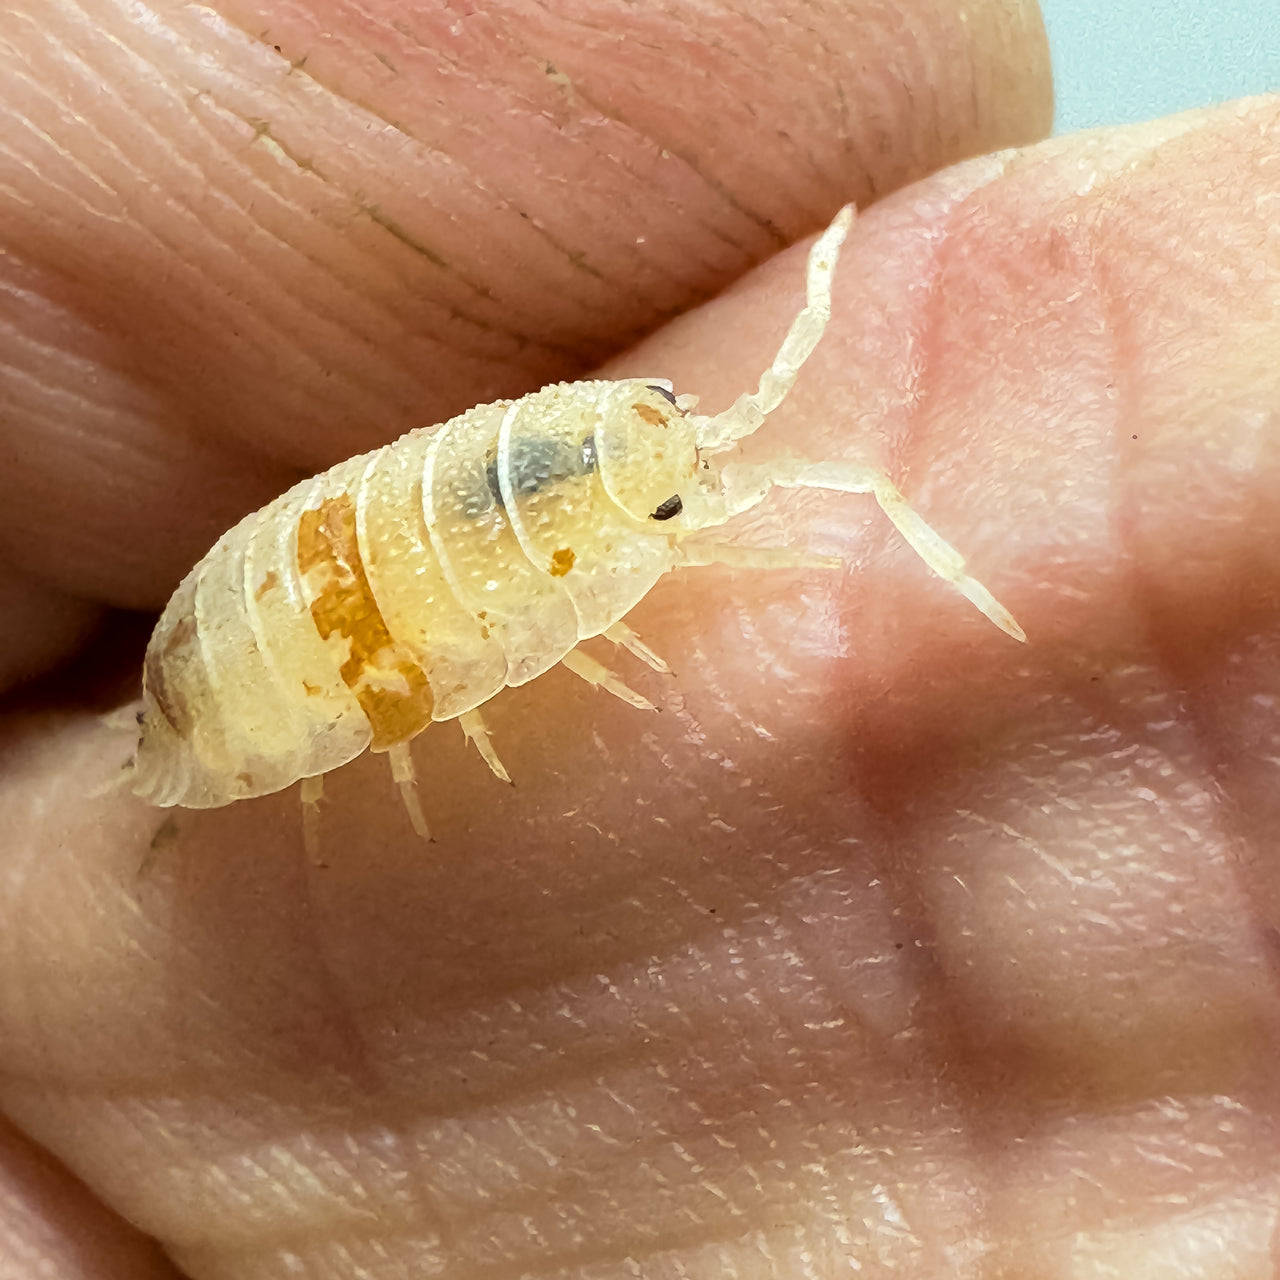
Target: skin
888	940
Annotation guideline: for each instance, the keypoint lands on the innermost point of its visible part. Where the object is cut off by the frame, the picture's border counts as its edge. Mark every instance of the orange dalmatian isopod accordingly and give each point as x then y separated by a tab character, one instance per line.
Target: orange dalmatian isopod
413	583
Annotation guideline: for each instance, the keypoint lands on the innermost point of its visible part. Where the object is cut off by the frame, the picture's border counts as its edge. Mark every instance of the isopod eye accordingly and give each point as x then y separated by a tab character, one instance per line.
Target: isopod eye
664	393
645	449
673	506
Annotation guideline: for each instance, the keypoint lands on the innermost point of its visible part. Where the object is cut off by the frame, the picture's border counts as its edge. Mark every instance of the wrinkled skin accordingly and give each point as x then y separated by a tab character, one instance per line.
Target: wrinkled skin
888	941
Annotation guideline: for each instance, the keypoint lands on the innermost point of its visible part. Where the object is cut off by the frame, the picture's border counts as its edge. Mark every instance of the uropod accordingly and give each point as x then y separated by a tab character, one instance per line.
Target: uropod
413	583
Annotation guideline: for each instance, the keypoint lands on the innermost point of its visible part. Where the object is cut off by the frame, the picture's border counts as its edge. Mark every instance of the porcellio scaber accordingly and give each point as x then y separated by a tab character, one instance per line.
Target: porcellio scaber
413	583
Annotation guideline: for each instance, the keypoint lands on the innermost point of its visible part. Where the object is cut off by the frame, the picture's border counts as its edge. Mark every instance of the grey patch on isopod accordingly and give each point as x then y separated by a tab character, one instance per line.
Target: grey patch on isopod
539	464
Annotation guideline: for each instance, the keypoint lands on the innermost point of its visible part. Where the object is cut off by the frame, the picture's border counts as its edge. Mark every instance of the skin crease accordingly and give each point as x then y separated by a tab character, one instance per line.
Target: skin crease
888	940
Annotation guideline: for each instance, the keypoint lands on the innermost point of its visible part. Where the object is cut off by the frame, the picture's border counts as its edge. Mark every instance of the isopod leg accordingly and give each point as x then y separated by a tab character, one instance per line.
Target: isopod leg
598	674
406	778
477	732
622	635
928	544
312	793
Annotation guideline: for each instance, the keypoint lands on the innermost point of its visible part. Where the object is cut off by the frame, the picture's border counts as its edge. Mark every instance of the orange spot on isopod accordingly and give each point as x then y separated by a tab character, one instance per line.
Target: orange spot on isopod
654	417
562	561
389	685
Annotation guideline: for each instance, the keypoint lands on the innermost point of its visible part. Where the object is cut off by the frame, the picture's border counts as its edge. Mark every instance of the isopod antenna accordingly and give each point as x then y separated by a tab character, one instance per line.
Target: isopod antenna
751	408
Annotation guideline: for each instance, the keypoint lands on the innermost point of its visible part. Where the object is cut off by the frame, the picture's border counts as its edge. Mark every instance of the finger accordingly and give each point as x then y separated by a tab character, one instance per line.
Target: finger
244	245
51	1226
44	626
1077	392
871	904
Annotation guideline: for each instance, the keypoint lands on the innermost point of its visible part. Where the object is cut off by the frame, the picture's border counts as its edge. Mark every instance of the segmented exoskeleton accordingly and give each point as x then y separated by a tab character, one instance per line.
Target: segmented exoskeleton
413	583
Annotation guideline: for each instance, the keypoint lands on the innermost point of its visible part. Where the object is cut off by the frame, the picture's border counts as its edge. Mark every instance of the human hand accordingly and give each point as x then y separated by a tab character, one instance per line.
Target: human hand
889	940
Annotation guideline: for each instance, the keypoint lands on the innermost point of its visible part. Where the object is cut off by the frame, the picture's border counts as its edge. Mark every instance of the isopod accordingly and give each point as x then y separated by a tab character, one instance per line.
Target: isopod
413	583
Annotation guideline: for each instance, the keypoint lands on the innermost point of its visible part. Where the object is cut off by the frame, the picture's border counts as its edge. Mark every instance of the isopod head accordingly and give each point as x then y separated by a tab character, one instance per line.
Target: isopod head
646	449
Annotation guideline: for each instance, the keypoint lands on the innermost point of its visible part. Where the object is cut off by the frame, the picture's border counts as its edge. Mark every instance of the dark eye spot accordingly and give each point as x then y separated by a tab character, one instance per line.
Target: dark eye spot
663	392
672	507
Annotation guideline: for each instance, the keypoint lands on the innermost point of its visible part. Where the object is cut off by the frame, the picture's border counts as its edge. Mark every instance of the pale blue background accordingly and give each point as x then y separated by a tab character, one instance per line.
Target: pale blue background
1120	61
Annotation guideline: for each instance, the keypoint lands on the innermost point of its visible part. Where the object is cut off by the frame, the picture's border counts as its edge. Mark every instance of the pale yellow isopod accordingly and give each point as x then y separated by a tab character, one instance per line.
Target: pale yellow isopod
413	583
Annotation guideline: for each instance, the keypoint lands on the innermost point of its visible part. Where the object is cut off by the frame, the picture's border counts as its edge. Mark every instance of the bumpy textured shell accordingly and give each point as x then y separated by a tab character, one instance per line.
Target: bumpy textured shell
407	585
